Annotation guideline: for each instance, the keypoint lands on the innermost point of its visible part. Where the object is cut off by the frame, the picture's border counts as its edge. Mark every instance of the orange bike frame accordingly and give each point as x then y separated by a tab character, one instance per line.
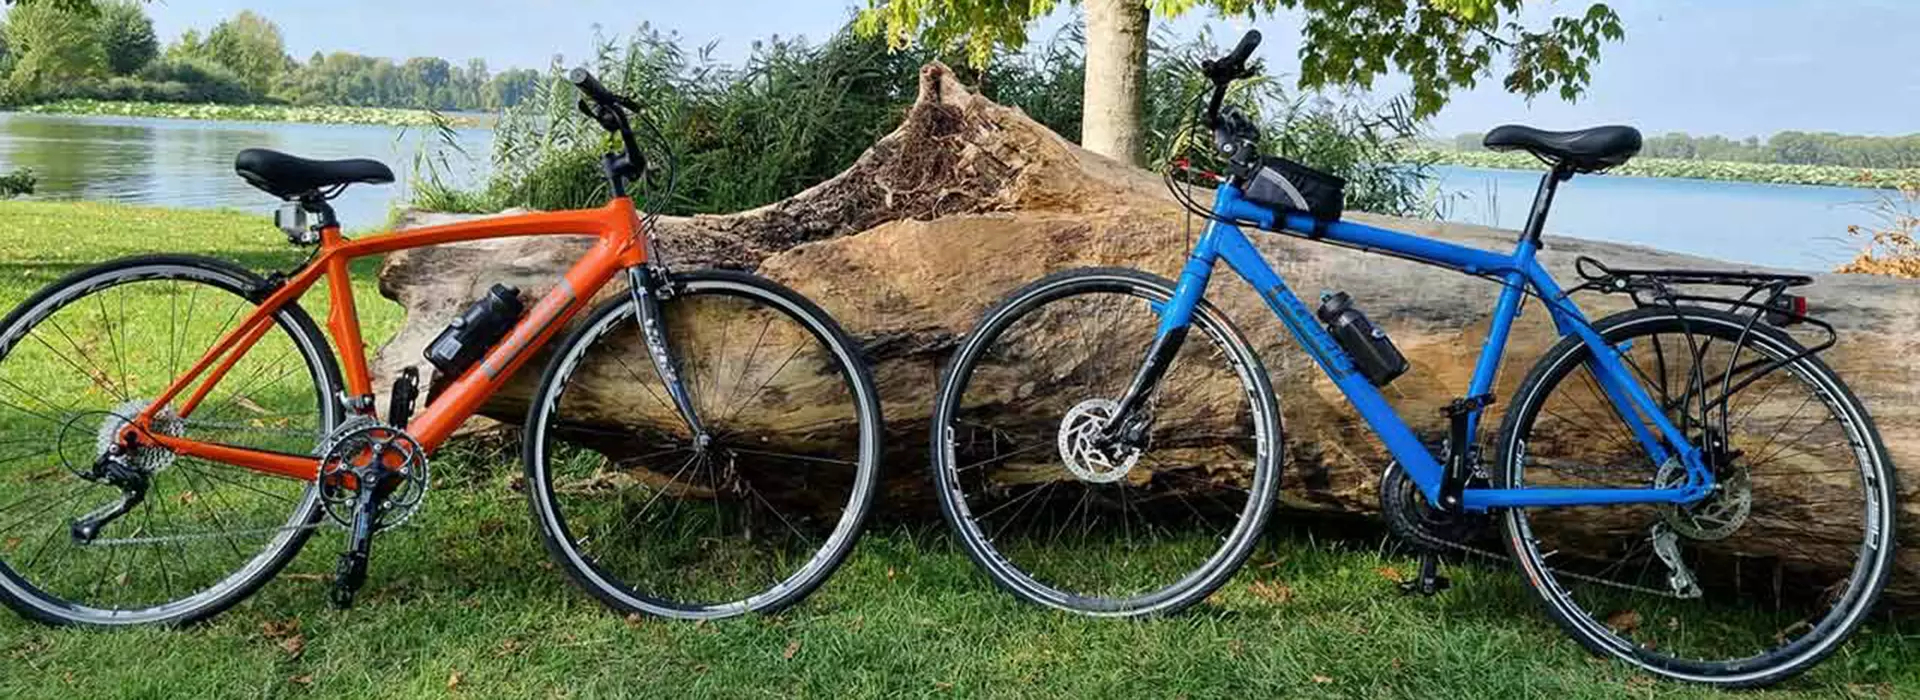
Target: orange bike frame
619	247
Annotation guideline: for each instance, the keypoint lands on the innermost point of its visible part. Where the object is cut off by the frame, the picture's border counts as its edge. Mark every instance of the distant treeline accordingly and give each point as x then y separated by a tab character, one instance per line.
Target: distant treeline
1784	148
107	50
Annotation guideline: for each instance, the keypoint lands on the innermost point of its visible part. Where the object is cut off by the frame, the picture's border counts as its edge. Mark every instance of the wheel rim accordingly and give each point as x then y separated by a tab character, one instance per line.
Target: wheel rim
752	521
1149	531
1758	611
82	361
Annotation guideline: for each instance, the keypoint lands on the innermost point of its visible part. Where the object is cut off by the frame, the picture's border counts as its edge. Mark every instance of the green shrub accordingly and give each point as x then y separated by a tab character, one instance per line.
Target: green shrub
796	114
18	182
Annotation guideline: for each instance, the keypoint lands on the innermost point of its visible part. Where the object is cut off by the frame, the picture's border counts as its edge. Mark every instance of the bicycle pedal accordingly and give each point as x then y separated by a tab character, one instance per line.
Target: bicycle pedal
1429	582
1425	586
349	574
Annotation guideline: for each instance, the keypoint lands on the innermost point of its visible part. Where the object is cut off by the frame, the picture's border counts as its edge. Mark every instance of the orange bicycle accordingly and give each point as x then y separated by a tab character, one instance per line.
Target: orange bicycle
684	484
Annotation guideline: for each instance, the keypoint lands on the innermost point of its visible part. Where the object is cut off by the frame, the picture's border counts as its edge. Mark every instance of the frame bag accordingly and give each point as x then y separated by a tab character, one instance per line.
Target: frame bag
1284	186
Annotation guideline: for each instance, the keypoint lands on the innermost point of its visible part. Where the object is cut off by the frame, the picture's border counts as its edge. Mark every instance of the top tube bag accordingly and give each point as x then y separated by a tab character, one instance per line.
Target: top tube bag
1284	186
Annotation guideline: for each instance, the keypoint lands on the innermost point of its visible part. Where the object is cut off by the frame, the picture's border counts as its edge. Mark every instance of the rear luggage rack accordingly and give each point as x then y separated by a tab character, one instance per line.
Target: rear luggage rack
1765	300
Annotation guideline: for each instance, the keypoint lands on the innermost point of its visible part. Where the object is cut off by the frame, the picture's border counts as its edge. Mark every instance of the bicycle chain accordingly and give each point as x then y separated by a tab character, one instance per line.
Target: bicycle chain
194	537
199	536
1431	541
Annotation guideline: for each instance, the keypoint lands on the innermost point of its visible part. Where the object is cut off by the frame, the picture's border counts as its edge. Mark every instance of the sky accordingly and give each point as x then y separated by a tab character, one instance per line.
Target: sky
1730	67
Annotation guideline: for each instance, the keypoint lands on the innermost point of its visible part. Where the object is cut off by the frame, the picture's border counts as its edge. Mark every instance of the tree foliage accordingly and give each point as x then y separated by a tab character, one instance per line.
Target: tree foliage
421	82
251	46
1784	148
1442	46
126	34
52	45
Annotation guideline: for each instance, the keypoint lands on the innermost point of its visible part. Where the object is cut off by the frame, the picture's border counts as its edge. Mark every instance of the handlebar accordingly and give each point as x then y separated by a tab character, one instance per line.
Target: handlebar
610	110
1223	71
591	86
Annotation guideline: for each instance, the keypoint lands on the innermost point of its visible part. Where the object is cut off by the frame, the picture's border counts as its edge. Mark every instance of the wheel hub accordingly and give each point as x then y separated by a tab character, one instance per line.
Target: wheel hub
146	458
1715	517
1081	448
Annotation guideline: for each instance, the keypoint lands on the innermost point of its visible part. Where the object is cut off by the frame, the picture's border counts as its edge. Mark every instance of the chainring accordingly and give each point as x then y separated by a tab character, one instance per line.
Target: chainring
351	452
1416	522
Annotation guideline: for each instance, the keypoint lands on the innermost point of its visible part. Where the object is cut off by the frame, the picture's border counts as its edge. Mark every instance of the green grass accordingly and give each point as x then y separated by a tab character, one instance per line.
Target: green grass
1776	173
329	114
463	603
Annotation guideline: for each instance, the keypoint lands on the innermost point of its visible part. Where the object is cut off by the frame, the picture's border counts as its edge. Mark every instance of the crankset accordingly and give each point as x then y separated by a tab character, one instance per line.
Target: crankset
373	477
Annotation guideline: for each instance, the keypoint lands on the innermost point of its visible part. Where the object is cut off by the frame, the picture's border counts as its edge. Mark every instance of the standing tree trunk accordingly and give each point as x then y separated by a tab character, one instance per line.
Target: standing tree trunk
1116	76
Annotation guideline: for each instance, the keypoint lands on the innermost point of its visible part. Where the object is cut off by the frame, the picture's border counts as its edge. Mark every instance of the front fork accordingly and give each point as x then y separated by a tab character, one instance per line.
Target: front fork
1128	424
647	285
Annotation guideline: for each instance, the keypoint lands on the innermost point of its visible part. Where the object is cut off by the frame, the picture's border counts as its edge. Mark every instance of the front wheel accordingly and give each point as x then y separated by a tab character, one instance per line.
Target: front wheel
649	519
1061	520
1750	586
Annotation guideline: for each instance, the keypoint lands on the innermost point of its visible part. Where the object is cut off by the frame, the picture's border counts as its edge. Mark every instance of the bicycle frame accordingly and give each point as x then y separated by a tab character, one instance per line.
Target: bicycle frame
1518	272
620	247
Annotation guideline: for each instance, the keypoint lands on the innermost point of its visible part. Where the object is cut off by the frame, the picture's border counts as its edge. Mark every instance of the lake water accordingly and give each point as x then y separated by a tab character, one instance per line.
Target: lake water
1789	226
184	163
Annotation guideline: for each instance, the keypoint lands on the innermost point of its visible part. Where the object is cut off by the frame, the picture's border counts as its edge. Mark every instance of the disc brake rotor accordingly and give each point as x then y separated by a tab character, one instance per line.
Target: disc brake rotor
1080	447
1715	517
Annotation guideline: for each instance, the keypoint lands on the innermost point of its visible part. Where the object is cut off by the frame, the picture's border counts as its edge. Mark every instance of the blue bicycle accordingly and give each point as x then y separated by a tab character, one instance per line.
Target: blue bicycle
1685	485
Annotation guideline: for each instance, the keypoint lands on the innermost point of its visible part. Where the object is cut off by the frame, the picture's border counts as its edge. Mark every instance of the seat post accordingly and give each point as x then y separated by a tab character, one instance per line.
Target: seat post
316	203
1543	201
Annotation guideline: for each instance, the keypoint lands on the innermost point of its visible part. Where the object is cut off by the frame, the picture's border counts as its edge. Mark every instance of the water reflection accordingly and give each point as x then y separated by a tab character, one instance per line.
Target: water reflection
186	163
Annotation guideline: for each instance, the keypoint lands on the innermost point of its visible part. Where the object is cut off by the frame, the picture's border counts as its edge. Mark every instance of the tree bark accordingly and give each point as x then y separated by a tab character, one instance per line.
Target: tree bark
1116	75
969	200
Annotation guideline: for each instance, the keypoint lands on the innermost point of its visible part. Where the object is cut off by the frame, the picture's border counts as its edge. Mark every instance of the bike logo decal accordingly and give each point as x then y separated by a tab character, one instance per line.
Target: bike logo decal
537	323
1316	341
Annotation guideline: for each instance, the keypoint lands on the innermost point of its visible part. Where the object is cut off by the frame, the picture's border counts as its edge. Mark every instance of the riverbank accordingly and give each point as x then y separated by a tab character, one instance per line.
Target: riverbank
321	114
1769	173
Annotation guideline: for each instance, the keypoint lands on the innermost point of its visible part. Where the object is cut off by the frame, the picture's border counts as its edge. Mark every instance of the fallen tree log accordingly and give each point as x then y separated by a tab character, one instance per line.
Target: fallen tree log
968	200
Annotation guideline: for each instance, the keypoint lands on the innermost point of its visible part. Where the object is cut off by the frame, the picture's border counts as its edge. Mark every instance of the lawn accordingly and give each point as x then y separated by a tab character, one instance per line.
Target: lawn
463	602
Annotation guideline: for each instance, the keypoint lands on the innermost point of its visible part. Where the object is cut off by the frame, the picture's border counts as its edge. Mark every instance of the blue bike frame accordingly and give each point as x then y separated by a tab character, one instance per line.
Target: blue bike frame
1518	271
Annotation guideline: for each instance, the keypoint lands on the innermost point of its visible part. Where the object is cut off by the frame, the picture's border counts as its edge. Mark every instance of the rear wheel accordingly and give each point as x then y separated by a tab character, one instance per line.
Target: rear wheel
649	520
1763	578
80	359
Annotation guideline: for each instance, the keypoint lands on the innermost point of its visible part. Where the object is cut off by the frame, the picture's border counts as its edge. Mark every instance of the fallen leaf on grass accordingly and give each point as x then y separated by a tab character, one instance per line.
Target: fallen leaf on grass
1323	680
453	680
890	573
793	647
280	629
1274	592
1624	621
294	645
508	647
942	685
635	620
302	577
304	679
13	543
1390	573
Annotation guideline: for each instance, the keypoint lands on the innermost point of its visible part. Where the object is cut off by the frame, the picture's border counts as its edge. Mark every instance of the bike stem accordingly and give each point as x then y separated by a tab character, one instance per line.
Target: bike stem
645	286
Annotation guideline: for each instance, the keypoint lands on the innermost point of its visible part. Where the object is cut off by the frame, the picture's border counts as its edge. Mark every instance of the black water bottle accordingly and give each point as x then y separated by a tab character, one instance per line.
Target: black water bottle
1373	352
481	326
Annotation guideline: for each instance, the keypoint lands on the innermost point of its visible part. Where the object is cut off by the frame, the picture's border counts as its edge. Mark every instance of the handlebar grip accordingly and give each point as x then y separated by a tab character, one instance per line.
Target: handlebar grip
1240	53
590	85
